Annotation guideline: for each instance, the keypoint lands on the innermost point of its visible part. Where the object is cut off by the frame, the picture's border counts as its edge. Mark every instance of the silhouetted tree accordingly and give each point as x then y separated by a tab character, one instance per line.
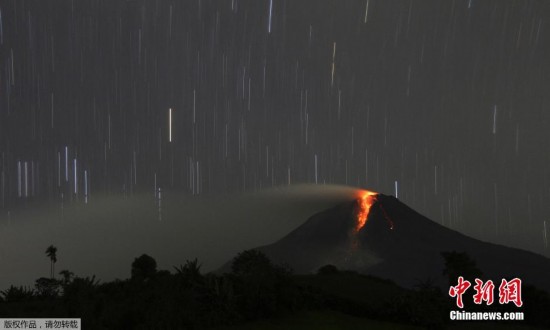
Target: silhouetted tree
144	267
51	252
14	293
264	289
47	287
427	284
460	264
190	271
67	276
537	305
80	288
327	269
251	262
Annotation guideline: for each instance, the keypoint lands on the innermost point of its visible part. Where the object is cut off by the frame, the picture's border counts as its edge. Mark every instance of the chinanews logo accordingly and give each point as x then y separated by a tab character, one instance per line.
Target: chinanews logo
509	292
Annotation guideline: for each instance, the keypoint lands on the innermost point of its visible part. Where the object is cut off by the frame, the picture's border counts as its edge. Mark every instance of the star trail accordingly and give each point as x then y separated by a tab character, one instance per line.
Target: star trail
446	100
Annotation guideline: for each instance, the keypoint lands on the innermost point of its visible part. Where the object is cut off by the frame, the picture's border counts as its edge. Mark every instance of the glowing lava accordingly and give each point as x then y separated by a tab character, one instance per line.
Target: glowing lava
366	199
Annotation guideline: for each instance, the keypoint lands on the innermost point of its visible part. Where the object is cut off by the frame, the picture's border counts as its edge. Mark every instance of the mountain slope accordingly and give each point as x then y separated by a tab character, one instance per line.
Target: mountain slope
399	244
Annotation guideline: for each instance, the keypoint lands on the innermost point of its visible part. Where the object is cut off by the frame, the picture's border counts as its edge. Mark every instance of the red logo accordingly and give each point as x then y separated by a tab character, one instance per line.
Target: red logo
458	291
508	291
484	292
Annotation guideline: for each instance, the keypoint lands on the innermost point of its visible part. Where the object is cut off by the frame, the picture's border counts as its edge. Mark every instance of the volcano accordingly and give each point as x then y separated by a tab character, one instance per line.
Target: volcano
397	243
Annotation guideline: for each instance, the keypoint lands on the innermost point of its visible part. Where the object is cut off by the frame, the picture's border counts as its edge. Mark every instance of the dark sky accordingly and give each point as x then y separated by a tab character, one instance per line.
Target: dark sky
447	100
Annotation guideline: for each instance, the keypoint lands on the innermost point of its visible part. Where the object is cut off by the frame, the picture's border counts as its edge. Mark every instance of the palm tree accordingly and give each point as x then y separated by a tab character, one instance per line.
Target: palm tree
191	270
51	252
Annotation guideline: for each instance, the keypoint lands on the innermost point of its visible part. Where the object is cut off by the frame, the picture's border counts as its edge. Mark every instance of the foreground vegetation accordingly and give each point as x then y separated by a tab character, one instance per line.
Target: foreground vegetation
254	294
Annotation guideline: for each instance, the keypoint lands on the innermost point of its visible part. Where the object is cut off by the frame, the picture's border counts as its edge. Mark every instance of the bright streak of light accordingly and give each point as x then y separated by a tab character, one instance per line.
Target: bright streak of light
26	180
66	164
75	177
32	178
366	11
333	57
170	125
18	178
86	186
270	12
109	124
396	190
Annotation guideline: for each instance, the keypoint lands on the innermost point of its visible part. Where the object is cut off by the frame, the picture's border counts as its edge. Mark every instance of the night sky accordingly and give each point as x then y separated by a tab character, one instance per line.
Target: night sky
444	103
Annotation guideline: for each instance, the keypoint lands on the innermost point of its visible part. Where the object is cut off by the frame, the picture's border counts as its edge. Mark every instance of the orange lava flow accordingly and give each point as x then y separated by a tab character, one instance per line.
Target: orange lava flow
366	199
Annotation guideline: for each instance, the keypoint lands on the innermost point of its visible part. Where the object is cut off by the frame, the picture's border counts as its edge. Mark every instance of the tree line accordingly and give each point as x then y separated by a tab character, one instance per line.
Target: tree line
254	289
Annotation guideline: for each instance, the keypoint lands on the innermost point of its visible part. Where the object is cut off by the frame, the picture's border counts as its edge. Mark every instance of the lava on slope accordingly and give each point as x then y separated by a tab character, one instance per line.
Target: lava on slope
365	201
